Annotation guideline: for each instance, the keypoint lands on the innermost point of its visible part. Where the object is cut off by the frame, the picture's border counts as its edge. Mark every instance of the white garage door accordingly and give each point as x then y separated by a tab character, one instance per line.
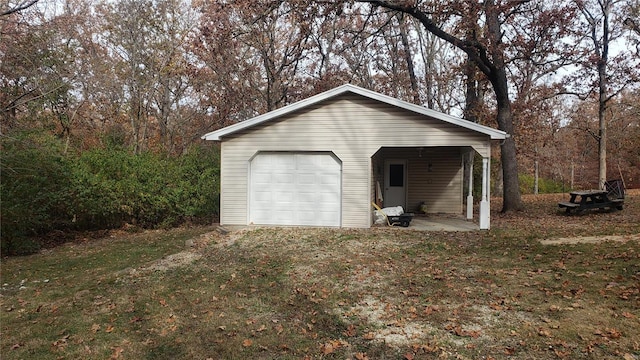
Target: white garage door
295	189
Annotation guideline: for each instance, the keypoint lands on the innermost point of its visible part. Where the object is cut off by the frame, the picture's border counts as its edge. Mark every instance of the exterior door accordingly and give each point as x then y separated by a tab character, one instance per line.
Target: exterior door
395	183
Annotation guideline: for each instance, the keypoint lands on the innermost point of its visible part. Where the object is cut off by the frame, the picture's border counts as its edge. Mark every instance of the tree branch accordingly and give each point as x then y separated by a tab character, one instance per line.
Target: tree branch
580	96
634	26
476	51
19	8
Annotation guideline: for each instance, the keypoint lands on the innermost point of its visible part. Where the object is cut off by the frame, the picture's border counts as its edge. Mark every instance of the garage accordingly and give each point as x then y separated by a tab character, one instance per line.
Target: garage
317	162
295	188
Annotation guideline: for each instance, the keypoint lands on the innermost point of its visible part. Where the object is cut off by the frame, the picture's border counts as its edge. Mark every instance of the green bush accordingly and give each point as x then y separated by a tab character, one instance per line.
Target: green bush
43	190
545	186
34	191
199	191
114	186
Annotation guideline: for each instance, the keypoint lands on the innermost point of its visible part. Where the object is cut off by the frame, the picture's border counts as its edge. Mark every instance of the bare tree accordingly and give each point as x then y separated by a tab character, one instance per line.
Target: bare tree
611	72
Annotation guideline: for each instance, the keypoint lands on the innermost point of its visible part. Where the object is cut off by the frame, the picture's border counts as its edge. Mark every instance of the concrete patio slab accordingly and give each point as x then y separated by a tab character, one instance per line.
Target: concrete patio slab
437	222
441	223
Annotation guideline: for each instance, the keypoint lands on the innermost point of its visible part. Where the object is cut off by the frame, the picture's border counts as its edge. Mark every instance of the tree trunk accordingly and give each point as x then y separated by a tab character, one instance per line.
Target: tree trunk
498	78
428	60
511	192
602	96
472	102
602	148
536	168
409	59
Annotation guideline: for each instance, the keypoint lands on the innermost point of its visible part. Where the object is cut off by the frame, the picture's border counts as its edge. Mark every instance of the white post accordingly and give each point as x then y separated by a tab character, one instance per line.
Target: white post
470	195
484	203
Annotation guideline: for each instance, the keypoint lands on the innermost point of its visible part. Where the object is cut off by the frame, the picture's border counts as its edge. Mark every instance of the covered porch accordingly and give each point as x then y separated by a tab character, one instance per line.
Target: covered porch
428	181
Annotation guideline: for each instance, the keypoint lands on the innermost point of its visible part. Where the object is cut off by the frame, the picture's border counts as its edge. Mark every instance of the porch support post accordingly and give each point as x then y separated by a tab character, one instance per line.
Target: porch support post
484	203
470	194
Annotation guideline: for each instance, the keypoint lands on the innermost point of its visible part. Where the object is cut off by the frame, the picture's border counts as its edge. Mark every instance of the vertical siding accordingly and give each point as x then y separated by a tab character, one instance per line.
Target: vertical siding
353	128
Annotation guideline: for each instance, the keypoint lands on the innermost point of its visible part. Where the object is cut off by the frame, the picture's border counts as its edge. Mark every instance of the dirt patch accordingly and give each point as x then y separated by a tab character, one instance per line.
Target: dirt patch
590	239
173	261
388	330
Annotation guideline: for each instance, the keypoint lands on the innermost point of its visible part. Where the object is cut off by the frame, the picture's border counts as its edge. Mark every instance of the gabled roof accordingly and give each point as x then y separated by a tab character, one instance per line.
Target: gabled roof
348	88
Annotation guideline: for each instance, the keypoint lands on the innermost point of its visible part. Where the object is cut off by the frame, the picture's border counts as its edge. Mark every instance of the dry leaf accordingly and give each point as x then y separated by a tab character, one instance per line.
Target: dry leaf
109	328
429	310
544	332
361	356
331	346
247	342
613	333
327	349
116	352
351	331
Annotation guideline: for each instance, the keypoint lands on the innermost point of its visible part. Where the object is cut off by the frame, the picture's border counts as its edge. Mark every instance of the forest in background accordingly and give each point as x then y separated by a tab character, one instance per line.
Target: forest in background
103	103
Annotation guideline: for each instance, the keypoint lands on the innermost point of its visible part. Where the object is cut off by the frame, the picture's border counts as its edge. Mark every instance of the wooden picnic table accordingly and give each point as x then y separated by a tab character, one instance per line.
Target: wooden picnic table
590	199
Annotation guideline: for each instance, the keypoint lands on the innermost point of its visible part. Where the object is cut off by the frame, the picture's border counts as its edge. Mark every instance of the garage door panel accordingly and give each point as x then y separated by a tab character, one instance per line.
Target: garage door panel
330	198
260	217
295	189
305	163
283	197
283	163
262	179
284	178
262	163
306	217
262	196
307	200
307	179
329	179
327	216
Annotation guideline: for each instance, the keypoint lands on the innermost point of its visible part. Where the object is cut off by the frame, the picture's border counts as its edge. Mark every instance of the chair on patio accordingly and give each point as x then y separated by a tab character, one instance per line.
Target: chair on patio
615	192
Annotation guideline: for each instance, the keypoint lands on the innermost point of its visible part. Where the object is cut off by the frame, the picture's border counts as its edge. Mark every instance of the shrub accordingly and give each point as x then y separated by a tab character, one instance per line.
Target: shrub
199	172
545	186
34	191
43	190
114	186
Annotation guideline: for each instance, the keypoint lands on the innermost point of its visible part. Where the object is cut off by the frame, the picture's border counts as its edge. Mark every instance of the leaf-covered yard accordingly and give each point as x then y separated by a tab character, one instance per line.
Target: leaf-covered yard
336	293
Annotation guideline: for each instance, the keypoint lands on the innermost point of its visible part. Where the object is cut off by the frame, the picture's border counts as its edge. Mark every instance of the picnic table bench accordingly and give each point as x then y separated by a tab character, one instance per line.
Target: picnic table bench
612	197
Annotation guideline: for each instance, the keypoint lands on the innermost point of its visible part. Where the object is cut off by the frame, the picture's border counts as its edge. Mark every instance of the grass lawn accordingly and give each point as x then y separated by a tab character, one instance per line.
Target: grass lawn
294	293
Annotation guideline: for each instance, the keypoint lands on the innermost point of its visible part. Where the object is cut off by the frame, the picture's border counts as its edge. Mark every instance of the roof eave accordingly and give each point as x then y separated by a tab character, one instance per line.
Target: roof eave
219	134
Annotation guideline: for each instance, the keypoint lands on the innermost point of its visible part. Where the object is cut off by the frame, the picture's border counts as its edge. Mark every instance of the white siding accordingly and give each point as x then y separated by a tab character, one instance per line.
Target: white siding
350	126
